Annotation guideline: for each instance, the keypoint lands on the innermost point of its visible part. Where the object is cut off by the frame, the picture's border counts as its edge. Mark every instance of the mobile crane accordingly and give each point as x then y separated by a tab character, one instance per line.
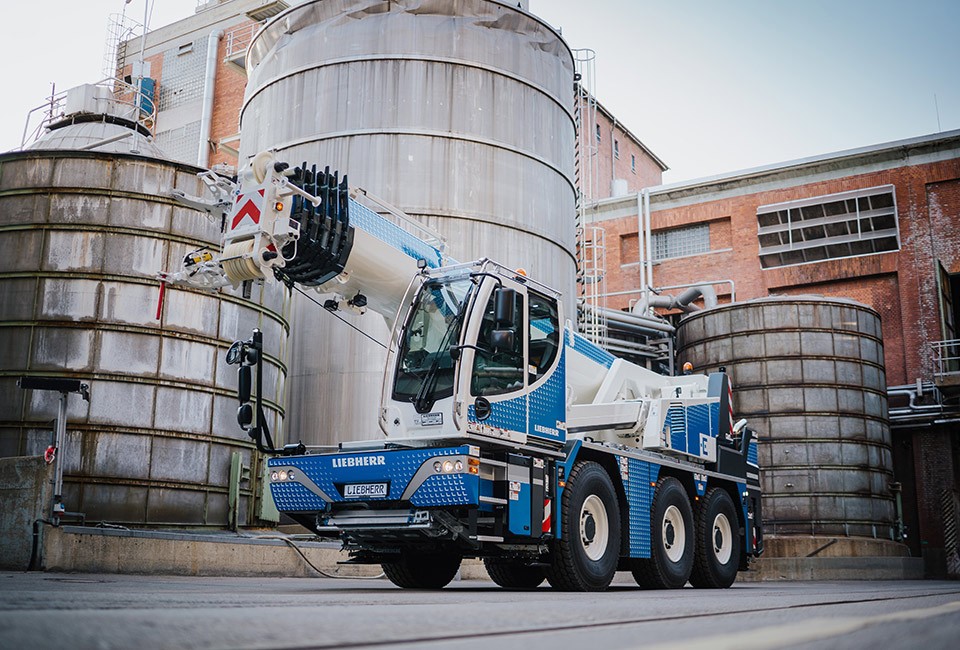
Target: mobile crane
506	435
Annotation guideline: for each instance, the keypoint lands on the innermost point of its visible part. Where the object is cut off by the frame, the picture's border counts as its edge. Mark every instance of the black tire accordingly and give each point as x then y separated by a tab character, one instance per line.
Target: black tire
423	570
586	558
718	541
512	574
671	549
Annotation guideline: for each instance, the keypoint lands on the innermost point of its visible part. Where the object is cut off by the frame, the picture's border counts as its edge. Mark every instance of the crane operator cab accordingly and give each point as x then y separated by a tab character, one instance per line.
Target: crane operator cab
478	352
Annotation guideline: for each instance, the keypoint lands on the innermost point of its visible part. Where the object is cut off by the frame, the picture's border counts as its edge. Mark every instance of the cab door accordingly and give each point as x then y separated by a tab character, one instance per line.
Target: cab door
493	373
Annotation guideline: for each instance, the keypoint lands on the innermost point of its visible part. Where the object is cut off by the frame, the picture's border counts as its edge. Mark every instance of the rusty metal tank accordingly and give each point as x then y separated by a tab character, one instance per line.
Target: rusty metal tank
83	235
459	113
808	374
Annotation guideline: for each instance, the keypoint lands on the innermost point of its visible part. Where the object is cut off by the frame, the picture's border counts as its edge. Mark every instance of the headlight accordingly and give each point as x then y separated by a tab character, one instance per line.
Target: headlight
437	466
290	475
458	465
448	466
283	475
275	476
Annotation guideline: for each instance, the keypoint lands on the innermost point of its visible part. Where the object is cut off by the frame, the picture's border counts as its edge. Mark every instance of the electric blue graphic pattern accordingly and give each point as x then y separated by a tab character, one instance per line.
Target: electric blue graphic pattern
593	352
397	469
686	424
386	231
509	414
290	496
548	405
640	496
447	490
676	424
752	452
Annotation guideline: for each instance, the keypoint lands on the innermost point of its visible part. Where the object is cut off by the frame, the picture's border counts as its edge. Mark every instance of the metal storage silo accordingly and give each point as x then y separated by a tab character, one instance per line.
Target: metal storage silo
808	374
460	113
84	233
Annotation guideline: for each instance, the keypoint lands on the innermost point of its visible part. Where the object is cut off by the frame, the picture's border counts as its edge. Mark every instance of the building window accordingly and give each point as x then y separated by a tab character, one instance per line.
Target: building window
598	134
633	163
616	149
848	224
680	242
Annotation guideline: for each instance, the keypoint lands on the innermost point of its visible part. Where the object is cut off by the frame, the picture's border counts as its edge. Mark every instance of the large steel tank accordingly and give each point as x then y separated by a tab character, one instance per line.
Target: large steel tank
83	235
459	113
808	374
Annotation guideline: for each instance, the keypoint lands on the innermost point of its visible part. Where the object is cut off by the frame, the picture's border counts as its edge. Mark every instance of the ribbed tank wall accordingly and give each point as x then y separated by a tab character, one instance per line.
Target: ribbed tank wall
83	236
808	374
460	113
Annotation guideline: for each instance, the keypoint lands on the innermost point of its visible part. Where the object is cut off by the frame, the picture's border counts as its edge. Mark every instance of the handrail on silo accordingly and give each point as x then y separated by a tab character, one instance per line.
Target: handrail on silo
111	96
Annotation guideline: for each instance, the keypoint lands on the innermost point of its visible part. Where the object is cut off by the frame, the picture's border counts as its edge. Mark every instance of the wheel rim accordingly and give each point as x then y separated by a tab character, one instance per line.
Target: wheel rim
722	538
673	532
594	527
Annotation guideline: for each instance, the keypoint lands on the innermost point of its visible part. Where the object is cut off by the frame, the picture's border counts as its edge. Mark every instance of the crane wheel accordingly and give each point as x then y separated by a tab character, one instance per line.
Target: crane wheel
586	556
423	570
718	541
511	574
672	545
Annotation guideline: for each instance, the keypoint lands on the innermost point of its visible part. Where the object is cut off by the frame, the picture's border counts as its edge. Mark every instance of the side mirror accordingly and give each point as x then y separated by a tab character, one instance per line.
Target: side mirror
244	382
235	353
245	416
504	307
502	339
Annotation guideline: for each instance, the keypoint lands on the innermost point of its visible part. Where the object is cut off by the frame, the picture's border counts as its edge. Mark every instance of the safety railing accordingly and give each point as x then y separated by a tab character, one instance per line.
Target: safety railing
109	96
237	40
946	361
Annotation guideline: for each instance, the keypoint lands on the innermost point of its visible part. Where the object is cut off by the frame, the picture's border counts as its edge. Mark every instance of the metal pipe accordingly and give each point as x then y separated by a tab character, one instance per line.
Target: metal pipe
627	292
57	507
632	319
209	80
640	241
105	141
649	238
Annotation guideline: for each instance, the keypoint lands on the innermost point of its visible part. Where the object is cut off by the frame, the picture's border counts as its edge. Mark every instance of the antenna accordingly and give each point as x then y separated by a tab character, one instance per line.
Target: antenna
936	105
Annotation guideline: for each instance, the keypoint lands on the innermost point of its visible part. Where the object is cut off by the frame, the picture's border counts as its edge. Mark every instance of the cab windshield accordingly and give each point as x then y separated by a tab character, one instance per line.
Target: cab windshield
425	368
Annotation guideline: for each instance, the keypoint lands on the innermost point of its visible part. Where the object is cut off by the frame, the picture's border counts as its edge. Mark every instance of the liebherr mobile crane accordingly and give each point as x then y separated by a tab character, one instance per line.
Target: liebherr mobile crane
506	435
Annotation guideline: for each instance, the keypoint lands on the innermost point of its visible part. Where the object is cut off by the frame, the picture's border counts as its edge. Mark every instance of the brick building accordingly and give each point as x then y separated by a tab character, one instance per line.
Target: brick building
618	161
179	58
880	225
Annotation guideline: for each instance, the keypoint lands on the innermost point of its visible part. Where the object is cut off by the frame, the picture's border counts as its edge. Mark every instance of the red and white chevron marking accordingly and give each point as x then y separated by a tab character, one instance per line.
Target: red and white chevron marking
730	404
547	519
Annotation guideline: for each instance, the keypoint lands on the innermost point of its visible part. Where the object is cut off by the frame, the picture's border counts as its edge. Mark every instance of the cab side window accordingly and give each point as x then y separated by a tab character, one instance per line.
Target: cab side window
496	372
544	335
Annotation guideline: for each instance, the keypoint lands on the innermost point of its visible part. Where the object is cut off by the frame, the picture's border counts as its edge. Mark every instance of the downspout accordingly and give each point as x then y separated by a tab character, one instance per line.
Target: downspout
209	79
641	247
613	155
648	239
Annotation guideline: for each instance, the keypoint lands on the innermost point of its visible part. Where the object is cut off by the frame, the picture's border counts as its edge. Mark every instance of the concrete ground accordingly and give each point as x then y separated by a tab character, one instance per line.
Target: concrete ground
74	549
106	611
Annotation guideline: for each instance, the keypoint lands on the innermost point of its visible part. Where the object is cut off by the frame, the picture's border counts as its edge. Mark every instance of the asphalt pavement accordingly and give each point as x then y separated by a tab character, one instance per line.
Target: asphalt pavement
103	612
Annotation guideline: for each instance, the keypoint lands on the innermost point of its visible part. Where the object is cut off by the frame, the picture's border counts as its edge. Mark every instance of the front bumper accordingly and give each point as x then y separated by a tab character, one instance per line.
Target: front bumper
320	483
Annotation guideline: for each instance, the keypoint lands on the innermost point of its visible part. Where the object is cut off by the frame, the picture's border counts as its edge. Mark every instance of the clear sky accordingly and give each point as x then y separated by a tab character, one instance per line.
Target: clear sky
711	86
